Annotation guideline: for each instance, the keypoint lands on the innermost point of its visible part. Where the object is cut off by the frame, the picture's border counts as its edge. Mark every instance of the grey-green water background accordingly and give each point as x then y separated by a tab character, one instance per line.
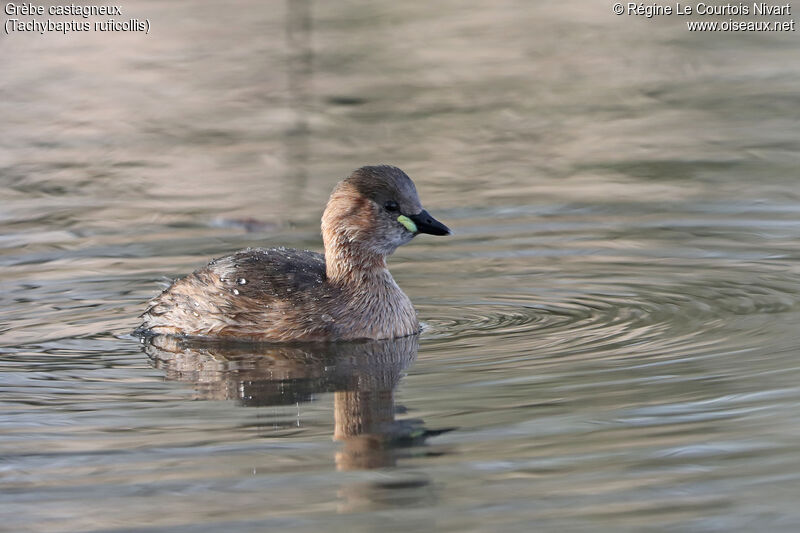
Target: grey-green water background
611	335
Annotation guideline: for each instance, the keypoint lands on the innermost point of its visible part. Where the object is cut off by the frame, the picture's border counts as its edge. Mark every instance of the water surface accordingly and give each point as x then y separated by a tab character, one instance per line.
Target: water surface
611	334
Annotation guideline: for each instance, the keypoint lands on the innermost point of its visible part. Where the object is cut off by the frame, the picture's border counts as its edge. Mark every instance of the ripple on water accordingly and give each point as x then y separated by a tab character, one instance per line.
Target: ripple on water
638	316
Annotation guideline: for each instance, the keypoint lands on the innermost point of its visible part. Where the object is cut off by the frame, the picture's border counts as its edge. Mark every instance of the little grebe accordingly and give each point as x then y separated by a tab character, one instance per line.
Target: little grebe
291	295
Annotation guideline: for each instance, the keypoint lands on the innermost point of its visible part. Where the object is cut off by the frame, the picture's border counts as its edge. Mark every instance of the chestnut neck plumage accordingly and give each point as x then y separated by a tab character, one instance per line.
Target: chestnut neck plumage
349	259
375	306
350	264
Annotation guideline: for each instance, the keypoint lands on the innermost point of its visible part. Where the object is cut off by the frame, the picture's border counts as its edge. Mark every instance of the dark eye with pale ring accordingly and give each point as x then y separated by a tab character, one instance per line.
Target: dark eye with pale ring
392	206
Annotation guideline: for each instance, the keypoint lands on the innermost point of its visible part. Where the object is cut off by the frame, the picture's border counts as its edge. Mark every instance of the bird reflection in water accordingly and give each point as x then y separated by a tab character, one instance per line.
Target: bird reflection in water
361	375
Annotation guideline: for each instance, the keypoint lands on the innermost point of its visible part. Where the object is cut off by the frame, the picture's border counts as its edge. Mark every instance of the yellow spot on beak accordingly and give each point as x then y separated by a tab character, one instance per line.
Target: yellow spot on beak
408	223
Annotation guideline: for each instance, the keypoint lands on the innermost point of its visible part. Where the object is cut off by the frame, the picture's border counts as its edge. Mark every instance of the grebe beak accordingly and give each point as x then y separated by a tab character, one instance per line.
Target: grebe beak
425	223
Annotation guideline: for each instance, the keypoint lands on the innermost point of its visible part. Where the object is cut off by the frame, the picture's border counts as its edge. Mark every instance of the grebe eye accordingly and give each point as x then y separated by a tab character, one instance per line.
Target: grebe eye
391	205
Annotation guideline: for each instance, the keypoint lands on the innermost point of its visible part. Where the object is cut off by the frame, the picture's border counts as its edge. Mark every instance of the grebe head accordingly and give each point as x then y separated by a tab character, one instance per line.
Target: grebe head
372	212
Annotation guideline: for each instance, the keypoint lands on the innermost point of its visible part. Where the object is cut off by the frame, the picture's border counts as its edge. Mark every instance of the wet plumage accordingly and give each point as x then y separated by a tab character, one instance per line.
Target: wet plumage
283	294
